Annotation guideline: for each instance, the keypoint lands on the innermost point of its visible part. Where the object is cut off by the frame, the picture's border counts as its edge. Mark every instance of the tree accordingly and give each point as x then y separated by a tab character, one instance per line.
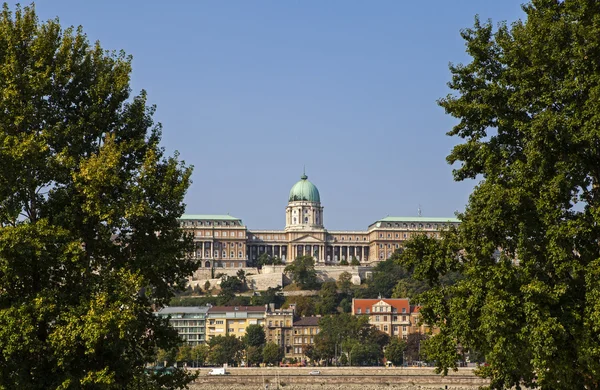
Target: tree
394	352
272	354
254	355
344	262
85	188
414	350
200	354
225	349
184	354
354	261
302	272
255	336
327	302
344	282
526	109
207	286
232	284
305	306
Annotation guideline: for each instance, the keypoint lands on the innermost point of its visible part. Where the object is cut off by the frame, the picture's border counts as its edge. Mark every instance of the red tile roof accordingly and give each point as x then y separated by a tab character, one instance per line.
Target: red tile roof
364	304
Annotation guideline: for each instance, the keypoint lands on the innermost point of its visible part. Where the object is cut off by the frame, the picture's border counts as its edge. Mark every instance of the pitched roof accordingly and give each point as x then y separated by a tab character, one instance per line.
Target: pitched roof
307	321
395	303
246	309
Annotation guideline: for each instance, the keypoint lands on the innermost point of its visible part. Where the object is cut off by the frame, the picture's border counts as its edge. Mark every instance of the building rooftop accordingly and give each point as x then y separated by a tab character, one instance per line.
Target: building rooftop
209	217
184	309
395	303
304	190
419	219
307	321
242	309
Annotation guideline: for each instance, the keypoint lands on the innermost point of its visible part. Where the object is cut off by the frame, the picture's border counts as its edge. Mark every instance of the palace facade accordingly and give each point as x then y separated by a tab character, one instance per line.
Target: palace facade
223	241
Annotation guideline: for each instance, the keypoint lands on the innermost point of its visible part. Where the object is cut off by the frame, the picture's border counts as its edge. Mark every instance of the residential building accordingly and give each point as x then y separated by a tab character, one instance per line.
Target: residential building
223	241
395	316
305	329
233	320
189	322
278	328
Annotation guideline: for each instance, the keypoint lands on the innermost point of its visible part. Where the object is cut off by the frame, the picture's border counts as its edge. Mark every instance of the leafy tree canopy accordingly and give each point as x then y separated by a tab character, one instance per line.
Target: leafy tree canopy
255	336
527	108
394	352
225	349
272	353
302	272
89	236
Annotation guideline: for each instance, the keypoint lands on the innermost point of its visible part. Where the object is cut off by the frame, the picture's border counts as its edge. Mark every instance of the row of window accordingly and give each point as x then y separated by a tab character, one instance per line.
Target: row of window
208	233
304	340
389	246
385	318
379	309
210	223
420	225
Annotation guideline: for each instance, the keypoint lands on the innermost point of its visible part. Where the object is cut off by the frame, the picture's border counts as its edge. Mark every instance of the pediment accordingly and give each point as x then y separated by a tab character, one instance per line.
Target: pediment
307	239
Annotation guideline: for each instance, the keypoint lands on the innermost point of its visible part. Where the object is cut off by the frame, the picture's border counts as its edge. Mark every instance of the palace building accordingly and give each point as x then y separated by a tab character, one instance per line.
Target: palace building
223	241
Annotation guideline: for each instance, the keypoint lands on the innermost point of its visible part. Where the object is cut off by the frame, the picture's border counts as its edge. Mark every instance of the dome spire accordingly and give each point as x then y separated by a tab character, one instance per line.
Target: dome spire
304	177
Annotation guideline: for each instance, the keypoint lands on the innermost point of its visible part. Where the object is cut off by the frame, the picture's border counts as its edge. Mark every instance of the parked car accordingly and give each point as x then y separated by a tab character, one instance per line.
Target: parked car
315	372
218	371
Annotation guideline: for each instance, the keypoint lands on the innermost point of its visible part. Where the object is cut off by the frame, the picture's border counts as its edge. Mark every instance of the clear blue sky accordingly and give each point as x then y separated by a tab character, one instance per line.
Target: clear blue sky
249	91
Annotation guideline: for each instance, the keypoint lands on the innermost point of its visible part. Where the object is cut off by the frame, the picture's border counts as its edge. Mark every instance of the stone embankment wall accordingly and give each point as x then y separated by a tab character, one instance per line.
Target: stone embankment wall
339	378
273	276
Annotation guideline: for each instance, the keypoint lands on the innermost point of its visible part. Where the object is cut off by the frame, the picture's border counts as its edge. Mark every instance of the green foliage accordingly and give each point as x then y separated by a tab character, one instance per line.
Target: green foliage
266	259
394	352
272	354
271	295
344	262
254	355
305	306
84	188
225	349
526	106
354	261
232	283
302	272
207	286
414	349
199	354
193	301
344	282
255	336
327	301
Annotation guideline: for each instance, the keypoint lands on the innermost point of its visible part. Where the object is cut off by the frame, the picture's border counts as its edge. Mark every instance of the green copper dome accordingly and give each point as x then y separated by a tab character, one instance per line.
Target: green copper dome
304	190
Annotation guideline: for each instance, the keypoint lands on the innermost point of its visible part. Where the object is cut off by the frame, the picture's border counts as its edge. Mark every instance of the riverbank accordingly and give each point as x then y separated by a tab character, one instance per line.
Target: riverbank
347	378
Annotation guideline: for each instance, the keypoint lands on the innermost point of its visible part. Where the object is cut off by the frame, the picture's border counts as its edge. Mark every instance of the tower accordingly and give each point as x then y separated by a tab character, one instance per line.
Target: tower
304	210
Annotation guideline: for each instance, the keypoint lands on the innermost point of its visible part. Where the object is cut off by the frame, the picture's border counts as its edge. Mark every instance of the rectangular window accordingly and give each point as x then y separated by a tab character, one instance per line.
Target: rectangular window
385	328
384	318
358	311
403	318
376	318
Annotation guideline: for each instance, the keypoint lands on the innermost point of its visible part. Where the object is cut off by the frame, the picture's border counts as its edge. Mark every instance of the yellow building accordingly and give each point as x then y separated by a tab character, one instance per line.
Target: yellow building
232	320
223	241
278	328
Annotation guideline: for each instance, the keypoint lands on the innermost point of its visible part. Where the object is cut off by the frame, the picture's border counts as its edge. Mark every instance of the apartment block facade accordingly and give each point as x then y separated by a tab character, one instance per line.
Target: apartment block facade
233	320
